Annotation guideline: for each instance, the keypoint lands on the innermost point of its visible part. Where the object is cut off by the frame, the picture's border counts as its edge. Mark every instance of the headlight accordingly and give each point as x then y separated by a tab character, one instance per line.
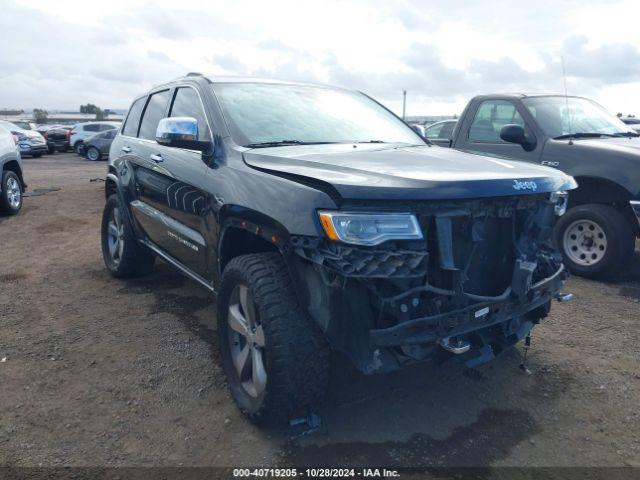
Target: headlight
560	200
370	228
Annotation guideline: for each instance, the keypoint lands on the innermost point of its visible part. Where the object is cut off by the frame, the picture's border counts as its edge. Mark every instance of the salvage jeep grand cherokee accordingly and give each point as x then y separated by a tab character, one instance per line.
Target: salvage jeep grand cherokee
321	221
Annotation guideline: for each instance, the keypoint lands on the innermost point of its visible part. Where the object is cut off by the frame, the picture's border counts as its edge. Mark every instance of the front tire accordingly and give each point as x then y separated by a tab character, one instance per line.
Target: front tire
93	154
11	196
123	255
275	358
595	240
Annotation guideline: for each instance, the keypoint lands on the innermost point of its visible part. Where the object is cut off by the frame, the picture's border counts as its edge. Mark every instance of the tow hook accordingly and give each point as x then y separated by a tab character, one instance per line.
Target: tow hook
564	297
458	347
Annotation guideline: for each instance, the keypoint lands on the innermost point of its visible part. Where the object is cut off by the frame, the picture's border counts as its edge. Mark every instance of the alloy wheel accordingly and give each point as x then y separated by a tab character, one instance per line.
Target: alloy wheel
585	242
93	154
14	192
246	341
115	232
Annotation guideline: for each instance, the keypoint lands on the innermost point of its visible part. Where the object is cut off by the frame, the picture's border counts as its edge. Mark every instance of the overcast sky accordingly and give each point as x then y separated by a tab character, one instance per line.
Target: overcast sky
59	54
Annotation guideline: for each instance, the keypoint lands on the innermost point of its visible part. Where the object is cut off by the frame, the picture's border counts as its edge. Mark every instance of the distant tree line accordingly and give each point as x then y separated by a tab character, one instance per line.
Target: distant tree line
99	113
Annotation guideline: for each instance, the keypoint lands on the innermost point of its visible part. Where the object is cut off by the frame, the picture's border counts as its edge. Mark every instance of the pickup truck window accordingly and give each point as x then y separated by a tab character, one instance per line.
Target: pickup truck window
491	116
582	116
263	114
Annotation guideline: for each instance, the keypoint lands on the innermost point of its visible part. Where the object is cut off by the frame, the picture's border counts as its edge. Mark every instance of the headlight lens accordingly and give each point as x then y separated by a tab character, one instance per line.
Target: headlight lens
560	200
369	228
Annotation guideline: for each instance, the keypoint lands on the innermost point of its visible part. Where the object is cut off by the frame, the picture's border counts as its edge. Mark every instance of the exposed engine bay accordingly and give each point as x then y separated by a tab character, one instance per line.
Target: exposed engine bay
483	276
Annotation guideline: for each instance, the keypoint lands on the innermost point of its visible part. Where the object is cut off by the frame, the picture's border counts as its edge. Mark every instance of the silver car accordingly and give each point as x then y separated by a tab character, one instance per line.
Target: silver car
30	142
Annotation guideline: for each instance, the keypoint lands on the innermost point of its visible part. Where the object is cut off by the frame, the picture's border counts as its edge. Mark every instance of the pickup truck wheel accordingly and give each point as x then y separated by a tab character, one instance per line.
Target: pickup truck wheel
275	358
93	154
11	196
123	255
63	149
51	149
596	240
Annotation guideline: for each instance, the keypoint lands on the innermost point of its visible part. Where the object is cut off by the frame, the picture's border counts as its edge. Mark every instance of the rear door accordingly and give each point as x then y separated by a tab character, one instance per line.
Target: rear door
171	182
482	135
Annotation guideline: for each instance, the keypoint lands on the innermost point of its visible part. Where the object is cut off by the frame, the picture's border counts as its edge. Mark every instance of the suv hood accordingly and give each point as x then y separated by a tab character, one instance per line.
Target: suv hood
374	171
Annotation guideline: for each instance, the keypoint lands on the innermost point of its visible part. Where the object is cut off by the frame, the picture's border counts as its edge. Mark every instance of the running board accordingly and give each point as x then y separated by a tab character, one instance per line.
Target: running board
178	265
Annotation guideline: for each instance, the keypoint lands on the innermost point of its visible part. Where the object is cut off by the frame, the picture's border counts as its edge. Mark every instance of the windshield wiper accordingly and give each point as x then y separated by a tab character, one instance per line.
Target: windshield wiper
583	135
281	143
626	134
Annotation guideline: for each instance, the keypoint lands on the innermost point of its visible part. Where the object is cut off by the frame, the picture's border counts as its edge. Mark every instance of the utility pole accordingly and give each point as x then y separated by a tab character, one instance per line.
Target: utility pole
404	104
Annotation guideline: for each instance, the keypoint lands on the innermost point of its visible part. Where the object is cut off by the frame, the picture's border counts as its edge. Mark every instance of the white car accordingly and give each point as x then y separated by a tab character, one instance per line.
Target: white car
82	131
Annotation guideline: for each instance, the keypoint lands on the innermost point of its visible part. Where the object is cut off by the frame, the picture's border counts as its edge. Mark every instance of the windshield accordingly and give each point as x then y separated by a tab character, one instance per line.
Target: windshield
260	114
583	116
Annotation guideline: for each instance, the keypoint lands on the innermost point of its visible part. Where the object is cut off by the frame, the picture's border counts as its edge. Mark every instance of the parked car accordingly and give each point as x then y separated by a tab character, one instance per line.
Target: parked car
29	142
97	146
58	138
441	133
24	124
11	179
578	136
328	227
82	131
633	122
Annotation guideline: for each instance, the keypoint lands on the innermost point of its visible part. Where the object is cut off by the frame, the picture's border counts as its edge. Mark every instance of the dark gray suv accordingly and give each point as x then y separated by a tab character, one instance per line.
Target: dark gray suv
321	220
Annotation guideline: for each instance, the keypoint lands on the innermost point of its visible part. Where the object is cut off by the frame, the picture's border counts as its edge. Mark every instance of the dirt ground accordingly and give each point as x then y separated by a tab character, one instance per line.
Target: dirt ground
96	371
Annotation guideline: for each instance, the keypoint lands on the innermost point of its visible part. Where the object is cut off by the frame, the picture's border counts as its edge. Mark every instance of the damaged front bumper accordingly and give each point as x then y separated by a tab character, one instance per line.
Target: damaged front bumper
482	277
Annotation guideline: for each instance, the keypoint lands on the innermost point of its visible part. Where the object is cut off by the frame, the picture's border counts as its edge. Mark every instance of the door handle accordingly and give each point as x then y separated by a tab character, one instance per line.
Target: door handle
126	149
156	157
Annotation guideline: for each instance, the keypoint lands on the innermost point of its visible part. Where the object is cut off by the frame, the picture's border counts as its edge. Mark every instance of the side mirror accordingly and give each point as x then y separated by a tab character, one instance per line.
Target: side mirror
180	132
419	129
515	134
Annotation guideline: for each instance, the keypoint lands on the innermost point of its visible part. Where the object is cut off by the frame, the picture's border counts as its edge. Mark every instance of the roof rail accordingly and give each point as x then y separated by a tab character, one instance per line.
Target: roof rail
194	74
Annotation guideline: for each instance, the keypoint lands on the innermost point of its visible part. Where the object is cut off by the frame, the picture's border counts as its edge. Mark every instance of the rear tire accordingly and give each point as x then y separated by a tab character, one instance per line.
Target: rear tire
11	196
79	148
293	371
63	149
123	255
596	240
51	149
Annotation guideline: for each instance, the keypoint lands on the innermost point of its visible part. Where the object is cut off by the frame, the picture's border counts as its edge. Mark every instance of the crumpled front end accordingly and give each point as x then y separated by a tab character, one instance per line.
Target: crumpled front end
483	276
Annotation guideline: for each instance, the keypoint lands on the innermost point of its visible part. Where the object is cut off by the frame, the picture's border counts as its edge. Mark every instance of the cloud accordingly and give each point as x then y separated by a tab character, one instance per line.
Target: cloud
442	56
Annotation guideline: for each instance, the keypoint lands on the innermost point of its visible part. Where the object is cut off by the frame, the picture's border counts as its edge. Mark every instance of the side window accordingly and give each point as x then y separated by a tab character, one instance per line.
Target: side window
95	127
133	118
187	103
104	127
447	130
434	131
156	107
491	116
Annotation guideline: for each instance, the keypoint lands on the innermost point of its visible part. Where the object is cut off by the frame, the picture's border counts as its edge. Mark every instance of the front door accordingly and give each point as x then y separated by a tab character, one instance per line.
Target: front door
482	136
171	183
